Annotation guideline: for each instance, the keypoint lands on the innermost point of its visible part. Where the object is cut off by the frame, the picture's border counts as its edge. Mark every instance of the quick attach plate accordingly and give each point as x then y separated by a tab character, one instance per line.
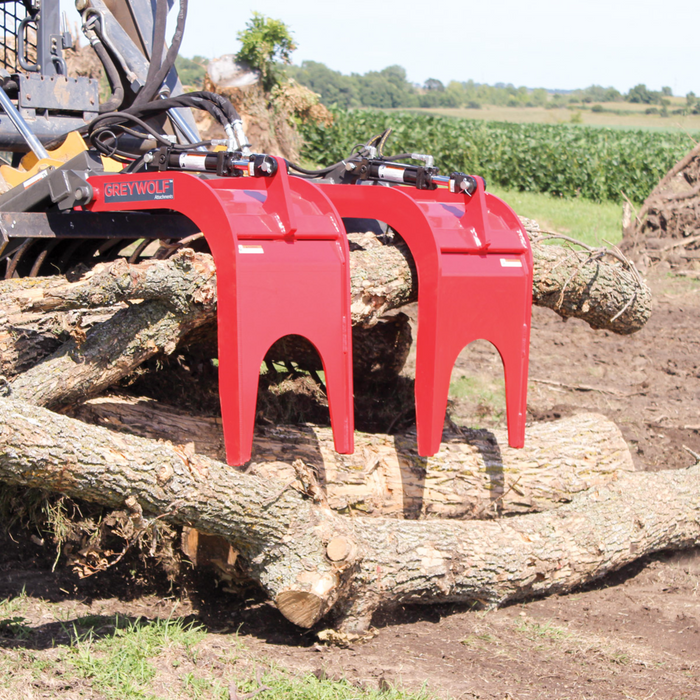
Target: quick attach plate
57	92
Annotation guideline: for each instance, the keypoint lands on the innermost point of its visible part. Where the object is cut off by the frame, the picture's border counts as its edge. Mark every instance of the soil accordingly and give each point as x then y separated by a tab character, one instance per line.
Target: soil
635	634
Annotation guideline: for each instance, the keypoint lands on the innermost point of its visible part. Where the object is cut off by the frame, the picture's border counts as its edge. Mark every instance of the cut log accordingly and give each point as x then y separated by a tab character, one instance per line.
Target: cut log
382	277
284	535
474	475
179	295
26	336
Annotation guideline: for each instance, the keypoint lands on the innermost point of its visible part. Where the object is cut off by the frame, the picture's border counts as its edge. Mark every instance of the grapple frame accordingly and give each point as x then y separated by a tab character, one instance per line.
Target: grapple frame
278	241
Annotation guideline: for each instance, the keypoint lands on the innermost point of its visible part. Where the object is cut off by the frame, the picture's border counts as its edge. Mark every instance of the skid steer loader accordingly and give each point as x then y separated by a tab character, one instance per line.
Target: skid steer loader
88	177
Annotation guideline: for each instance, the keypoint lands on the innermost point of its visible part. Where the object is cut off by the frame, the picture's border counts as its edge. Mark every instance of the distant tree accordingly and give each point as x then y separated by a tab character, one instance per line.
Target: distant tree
434	84
387	88
639	94
397	76
666	91
596	93
191	71
266	44
612	95
539	97
333	87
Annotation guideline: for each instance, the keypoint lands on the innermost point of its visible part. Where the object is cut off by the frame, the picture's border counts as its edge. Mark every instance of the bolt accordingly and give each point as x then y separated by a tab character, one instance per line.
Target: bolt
29	97
148	158
266	167
79	194
350	166
80	5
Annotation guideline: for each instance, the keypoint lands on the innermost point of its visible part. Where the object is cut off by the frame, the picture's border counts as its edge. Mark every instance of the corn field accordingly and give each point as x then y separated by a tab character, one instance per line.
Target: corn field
570	161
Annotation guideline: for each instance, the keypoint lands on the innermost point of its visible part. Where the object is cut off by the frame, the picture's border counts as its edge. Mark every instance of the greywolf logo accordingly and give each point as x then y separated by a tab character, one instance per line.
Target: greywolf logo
139	190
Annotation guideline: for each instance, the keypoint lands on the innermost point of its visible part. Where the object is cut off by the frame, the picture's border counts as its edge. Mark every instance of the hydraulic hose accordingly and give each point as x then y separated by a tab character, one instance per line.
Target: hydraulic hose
115	101
156	57
313	173
154	80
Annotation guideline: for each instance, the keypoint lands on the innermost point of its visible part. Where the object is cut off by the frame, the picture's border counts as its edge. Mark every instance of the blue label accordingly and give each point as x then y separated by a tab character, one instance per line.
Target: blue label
139	190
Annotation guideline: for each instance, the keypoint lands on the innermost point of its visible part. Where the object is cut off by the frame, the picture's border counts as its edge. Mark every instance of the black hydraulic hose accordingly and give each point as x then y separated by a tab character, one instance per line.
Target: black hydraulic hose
316	173
400	156
113	120
224	103
156	58
115	101
218	106
149	91
159	106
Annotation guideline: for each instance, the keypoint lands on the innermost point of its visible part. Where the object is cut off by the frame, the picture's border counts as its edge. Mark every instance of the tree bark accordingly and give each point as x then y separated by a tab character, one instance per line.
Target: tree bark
474	475
179	295
311	560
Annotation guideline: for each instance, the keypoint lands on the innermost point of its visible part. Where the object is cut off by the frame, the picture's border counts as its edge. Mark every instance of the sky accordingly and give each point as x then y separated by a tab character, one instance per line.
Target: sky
555	44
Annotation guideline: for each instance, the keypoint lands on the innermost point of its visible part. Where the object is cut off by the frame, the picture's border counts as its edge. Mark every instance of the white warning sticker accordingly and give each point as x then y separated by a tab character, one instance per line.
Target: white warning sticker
386	172
192	161
506	262
250	249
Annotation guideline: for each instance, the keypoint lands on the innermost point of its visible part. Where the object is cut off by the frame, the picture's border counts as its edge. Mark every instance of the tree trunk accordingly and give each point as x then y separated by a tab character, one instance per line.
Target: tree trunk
475	474
179	295
311	560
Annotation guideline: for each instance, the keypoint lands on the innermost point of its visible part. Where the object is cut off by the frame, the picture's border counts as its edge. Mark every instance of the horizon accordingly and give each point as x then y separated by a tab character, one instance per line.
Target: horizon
499	84
570	45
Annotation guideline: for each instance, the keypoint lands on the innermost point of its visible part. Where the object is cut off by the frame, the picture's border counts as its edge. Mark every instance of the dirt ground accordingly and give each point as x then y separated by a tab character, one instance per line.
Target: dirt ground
635	634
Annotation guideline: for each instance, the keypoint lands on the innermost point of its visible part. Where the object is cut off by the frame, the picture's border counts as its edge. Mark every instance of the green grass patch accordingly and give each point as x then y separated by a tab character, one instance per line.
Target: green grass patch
484	396
589	222
118	658
121	663
545	630
477	388
286	687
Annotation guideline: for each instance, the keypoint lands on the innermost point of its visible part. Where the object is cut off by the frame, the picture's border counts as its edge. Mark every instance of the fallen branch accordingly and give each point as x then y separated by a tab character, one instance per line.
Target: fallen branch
382	279
582	387
88	364
178	295
310	560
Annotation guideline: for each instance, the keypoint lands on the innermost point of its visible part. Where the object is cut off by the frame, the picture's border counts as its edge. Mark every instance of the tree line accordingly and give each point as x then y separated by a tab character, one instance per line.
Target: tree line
390	88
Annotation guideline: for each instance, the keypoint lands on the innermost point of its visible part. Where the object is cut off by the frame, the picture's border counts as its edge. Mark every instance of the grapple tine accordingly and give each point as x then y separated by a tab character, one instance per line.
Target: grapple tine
474	266
282	262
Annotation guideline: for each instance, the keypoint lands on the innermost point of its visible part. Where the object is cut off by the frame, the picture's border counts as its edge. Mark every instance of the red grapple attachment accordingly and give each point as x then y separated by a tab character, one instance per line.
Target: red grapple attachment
282	264
474	266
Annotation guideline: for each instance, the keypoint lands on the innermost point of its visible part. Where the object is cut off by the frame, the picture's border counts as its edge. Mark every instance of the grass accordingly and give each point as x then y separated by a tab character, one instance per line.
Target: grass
118	658
587	221
121	663
571	642
546	630
486	392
